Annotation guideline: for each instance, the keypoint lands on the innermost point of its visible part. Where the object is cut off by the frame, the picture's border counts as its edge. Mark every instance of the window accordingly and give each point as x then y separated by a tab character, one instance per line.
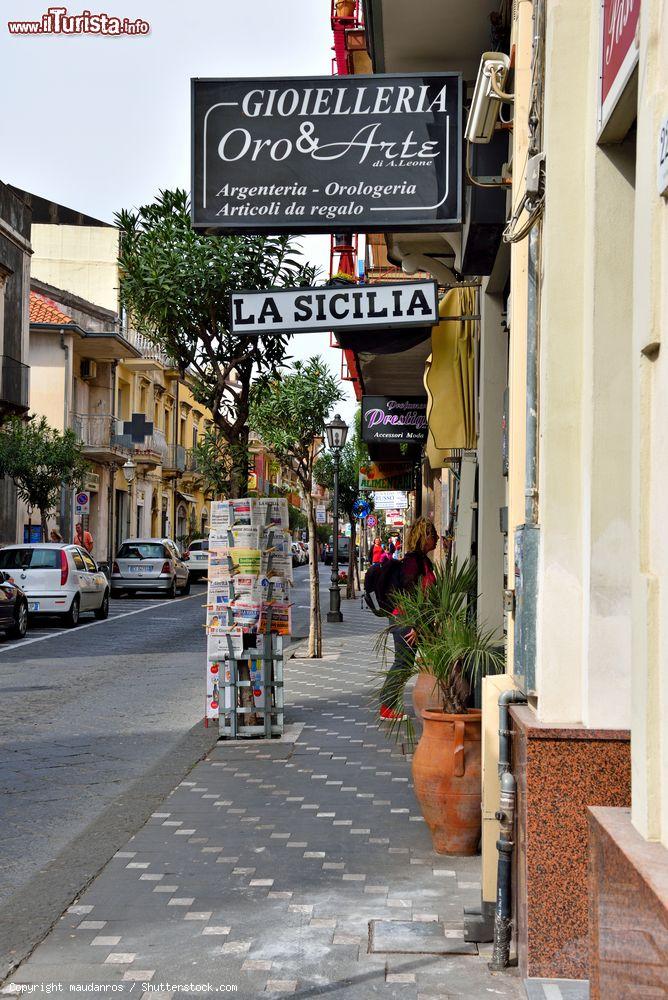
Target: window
143	550
194	437
78	559
88	562
30	558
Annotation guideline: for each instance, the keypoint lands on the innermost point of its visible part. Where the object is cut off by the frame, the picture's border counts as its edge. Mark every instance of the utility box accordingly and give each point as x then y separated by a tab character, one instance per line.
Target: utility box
527	537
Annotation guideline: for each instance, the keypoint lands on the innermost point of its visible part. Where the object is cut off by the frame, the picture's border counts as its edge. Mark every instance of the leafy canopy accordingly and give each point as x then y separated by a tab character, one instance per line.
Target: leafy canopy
40	460
289	412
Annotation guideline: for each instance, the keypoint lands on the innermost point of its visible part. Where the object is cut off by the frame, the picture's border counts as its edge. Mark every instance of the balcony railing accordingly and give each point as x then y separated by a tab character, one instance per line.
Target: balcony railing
148	348
14	382
175	460
97	430
153	444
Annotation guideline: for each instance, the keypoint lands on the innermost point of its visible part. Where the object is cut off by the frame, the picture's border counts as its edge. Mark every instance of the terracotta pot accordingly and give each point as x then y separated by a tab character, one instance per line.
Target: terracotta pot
425	695
446	776
345	8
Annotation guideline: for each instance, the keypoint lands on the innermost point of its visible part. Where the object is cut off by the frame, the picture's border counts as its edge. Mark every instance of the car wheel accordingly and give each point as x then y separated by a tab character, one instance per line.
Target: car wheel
103	611
20	626
72	616
171	593
186	589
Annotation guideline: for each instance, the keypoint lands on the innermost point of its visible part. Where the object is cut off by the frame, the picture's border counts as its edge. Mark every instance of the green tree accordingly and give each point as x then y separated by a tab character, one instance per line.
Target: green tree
353	454
214	464
288	413
176	283
40	460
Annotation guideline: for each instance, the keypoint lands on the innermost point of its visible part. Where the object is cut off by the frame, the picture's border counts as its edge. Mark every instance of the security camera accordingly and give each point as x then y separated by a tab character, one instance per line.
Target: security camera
486	102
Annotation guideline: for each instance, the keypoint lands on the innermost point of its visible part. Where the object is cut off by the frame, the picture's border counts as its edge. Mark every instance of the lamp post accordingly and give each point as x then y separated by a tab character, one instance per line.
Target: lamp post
337	432
129	470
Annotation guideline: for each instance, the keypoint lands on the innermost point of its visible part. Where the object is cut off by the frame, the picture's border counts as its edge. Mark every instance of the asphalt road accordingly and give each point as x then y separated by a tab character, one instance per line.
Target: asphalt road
97	723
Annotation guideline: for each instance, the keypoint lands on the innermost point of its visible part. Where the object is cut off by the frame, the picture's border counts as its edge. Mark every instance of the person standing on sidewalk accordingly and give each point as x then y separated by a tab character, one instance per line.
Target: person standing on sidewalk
83	538
416	571
376	551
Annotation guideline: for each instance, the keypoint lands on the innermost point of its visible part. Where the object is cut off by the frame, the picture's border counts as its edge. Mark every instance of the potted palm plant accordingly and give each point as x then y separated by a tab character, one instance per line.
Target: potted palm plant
453	650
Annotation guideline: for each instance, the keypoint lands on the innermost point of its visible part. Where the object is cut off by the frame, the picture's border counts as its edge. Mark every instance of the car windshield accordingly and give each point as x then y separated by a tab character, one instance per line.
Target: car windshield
143	550
30	558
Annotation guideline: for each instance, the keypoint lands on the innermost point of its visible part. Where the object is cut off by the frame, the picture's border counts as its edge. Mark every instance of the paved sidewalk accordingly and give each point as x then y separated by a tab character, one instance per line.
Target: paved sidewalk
267	867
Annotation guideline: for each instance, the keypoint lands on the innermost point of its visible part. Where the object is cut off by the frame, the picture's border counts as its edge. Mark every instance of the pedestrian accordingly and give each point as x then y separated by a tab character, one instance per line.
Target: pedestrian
55	536
390	548
397	548
384	555
83	538
376	551
416	571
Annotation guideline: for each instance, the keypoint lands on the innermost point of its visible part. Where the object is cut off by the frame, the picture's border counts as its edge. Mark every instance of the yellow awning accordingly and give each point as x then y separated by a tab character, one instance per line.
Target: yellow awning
449	378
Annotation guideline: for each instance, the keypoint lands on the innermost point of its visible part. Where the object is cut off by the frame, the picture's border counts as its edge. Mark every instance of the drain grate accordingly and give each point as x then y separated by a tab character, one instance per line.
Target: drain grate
417	937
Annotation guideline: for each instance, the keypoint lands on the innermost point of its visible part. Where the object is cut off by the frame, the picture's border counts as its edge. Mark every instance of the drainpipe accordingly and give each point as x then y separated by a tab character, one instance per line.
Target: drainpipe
112	474
531	462
65	507
505	843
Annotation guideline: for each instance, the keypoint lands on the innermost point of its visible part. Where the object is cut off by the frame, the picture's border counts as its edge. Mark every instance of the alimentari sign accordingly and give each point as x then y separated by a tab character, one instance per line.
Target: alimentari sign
317	154
386	476
394	418
354	307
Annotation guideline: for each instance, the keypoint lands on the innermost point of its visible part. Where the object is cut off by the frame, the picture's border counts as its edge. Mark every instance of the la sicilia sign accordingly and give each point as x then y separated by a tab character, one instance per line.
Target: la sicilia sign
319	154
356	307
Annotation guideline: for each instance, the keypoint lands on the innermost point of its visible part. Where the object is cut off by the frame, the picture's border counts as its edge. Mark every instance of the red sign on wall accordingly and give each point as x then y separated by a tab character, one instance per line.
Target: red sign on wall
619	53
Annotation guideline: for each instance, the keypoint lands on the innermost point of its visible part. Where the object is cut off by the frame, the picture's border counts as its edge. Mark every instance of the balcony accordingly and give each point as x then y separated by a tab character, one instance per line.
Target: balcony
99	434
151	355
180	461
14	384
153	450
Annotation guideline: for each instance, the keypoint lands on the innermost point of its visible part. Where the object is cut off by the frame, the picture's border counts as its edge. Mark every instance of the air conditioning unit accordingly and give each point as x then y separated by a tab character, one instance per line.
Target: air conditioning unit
88	368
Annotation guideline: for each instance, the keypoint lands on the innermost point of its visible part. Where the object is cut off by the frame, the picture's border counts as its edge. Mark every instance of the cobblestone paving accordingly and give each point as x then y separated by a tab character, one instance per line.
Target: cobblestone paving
266	867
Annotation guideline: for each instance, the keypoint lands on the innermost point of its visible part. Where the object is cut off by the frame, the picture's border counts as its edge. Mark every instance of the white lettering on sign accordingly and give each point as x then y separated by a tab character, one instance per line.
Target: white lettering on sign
299	310
619	17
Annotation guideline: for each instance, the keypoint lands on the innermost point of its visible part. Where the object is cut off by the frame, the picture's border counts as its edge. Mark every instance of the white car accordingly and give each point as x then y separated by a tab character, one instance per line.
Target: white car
57	579
196	557
149	564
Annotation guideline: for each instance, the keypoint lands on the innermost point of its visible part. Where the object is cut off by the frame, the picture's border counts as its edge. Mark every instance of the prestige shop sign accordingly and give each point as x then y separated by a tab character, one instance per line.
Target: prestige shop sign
316	154
356	307
394	418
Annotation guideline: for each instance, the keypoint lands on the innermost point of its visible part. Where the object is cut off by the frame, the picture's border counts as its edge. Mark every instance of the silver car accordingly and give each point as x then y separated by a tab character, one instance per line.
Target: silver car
149	564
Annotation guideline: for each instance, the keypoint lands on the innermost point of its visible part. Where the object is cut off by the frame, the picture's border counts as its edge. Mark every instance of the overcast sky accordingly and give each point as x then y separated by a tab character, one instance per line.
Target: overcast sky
101	123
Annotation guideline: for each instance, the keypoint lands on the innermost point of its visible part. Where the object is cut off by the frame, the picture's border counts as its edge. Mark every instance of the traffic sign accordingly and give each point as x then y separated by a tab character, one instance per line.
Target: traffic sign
321	514
82	503
372	521
361	508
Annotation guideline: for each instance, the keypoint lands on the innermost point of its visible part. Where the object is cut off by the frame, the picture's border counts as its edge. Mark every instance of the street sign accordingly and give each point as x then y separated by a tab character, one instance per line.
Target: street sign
361	508
323	154
390	500
394	418
82	503
372	521
353	307
321	514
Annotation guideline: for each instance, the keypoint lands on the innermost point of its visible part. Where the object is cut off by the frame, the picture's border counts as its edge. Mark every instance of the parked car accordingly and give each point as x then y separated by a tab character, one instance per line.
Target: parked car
344	550
57	579
13	608
149	564
297	554
196	558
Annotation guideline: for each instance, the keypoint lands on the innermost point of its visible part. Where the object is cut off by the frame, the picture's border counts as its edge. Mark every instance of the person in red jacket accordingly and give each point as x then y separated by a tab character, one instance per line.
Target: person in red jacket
416	571
376	551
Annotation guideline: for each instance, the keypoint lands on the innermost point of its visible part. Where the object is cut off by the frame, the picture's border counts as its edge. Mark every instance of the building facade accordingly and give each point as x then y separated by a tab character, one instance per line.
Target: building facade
15	251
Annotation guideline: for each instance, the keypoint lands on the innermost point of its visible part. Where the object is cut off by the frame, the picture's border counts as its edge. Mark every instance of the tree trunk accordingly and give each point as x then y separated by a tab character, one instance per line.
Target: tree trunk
315	624
240	464
45	530
350	586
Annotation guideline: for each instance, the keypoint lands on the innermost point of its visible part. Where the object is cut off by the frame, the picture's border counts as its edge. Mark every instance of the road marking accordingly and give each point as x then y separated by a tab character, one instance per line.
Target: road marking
72	632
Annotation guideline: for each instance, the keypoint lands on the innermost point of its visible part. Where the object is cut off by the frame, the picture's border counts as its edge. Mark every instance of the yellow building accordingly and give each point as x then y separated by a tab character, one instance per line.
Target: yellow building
93	374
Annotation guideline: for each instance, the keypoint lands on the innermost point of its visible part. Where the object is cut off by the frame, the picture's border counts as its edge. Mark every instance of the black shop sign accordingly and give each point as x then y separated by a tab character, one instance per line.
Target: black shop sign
394	418
322	154
355	307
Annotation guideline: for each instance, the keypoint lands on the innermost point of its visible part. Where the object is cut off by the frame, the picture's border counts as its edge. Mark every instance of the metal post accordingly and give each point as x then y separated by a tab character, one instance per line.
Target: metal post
334	613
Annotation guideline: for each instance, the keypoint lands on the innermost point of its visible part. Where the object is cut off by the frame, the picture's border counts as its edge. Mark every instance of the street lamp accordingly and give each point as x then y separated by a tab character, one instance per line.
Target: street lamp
337	432
129	469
